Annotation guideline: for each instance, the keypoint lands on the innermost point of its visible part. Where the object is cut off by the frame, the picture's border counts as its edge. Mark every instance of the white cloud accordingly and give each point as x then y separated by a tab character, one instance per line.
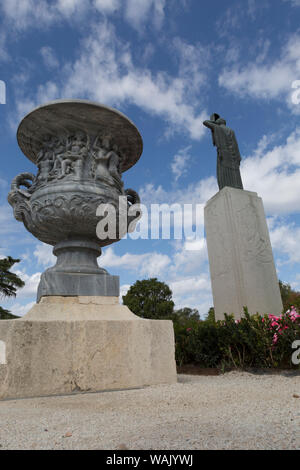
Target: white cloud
185	271
188	285
194	61
179	163
8	224
295	3
24	14
194	193
267	79
186	261
285	239
295	284
44	254
274	174
31	284
71	7
192	292
3	47
189	202
123	291
105	72
19	309
107	6
49	57
147	264
195	245
138	11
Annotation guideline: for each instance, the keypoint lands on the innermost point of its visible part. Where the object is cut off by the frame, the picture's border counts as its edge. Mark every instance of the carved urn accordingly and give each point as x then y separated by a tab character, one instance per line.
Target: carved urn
81	149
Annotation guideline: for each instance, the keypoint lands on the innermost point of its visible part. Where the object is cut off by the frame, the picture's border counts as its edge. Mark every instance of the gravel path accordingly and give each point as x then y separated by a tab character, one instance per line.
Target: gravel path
237	410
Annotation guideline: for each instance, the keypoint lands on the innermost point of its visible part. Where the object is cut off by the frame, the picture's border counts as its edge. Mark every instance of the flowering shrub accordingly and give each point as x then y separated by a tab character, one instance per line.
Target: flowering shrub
253	341
281	323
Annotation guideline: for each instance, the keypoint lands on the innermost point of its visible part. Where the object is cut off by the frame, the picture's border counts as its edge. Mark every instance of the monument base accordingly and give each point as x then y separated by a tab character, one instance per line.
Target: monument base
83	344
240	255
54	283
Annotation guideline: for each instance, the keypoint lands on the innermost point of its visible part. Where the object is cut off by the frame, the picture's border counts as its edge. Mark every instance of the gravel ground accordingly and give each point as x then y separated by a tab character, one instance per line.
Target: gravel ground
237	410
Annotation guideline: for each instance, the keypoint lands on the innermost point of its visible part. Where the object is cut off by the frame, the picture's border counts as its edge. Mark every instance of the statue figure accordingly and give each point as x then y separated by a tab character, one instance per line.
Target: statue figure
229	158
58	158
106	163
114	166
72	160
45	159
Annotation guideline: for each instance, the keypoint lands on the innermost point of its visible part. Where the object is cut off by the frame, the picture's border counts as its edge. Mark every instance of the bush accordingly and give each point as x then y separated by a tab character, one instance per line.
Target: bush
253	341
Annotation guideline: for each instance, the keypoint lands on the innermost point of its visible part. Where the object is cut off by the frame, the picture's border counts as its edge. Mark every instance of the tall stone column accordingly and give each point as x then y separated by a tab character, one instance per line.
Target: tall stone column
240	254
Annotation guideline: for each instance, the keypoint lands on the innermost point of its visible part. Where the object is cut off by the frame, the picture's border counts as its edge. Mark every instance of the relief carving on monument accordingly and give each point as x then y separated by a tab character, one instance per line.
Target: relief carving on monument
222	254
255	246
106	163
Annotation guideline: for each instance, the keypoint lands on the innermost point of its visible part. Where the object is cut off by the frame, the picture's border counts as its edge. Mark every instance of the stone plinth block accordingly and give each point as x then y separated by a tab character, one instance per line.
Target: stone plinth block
83	344
76	284
240	254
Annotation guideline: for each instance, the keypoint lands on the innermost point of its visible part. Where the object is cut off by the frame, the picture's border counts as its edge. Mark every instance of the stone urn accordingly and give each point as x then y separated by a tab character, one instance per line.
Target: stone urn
81	149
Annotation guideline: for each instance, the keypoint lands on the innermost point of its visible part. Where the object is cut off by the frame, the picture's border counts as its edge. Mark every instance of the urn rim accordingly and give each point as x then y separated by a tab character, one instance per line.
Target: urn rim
69	115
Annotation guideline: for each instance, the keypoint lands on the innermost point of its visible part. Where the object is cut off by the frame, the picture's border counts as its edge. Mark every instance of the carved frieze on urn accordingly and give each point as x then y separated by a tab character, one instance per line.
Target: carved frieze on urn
81	150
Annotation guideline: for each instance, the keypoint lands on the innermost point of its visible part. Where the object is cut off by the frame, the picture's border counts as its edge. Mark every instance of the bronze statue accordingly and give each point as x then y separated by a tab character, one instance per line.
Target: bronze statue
229	158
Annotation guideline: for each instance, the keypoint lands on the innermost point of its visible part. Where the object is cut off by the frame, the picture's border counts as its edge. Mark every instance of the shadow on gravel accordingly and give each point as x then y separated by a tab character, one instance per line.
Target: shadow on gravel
283	372
192	369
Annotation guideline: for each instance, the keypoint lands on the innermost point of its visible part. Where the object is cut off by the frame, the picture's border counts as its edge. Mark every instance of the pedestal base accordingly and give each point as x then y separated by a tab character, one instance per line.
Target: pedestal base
77	273
240	255
54	283
83	344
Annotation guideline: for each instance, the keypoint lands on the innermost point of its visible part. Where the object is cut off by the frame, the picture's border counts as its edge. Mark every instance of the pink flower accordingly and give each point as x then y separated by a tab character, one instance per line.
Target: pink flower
275	338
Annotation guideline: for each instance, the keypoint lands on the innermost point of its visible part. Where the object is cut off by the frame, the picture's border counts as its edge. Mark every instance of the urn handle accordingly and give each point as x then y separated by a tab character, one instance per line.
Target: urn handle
132	196
23	179
133	218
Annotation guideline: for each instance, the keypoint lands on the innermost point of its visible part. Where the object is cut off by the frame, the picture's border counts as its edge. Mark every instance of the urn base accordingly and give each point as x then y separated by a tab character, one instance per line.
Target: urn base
77	273
65	284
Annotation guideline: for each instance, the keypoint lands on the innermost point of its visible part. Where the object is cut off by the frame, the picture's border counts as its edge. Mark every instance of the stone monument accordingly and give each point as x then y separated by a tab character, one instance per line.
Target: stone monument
77	337
240	255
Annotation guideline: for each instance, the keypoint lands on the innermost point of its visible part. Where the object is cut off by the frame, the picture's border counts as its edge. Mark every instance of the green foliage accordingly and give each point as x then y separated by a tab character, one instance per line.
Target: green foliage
184	320
150	298
253	341
211	315
289	296
186	315
6	315
198	345
9	283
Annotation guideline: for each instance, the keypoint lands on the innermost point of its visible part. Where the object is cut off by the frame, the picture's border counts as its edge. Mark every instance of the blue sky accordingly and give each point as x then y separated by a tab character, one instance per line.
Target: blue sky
168	65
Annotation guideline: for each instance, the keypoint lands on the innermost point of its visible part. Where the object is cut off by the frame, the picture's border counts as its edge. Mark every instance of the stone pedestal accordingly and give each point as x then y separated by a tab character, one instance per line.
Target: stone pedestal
77	273
83	344
240	255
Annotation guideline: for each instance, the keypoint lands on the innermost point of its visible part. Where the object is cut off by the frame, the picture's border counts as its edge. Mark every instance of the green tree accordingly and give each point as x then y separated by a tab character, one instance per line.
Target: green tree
211	315
186	314
9	283
150	298
289	296
6	315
